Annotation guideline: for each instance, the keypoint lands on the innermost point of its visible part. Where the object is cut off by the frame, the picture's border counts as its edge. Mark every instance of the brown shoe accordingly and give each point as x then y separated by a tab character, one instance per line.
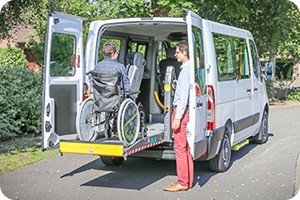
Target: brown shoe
175	187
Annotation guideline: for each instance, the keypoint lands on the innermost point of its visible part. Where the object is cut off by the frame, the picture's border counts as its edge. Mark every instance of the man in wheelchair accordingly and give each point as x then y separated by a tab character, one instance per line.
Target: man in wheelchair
110	63
111	113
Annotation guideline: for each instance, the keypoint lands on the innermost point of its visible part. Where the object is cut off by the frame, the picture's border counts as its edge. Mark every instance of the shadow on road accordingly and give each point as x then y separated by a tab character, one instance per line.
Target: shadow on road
138	173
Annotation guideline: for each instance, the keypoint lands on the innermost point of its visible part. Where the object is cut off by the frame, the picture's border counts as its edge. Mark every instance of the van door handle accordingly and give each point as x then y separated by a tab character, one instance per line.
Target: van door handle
255	89
248	90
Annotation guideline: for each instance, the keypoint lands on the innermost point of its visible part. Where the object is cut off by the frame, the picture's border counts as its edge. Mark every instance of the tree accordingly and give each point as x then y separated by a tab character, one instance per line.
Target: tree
274	24
12	14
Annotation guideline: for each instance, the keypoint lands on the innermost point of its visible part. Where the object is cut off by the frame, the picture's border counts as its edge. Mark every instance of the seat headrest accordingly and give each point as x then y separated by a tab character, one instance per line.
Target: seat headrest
171	52
134	58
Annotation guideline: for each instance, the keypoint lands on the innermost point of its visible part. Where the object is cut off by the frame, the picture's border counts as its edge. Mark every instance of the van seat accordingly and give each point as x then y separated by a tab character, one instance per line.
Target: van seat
135	61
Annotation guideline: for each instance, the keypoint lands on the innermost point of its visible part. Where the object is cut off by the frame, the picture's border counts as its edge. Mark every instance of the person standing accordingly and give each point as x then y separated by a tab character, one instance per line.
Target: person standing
110	63
180	118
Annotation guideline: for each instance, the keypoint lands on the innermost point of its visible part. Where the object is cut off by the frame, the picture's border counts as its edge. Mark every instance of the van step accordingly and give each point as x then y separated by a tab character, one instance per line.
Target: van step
240	145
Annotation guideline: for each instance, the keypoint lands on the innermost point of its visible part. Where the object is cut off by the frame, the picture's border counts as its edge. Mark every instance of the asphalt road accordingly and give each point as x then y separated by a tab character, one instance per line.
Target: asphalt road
260	172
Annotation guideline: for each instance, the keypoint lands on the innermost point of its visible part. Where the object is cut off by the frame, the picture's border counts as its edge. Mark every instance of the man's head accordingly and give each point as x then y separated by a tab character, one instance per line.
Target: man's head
182	51
109	50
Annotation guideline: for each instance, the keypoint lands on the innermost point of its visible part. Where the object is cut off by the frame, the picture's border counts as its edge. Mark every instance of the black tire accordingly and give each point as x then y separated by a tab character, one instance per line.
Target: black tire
221	162
262	136
111	160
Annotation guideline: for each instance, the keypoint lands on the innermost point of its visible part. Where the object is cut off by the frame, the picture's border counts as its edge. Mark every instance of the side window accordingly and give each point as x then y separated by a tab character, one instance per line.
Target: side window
138	47
255	64
161	55
104	40
200	72
232	57
224	56
240	58
62	58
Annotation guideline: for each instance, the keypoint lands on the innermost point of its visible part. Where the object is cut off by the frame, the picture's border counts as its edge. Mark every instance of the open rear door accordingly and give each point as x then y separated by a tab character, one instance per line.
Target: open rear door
198	97
63	78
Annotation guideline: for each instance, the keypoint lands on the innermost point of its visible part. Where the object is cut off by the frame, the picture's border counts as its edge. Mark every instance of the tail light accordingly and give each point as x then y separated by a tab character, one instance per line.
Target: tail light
198	91
211	108
86	92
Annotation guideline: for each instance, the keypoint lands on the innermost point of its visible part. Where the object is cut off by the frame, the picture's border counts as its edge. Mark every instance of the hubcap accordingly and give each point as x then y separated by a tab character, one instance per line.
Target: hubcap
265	129
226	152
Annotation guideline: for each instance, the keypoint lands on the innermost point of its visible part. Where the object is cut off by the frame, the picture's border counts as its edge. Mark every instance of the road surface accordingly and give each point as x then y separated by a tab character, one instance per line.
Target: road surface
260	172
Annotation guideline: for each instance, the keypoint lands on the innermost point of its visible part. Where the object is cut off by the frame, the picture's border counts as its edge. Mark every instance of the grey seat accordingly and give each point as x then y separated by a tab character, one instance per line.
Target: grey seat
169	61
136	65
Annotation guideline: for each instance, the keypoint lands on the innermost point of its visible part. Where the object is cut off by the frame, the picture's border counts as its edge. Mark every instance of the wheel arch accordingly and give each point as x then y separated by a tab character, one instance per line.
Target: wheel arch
229	126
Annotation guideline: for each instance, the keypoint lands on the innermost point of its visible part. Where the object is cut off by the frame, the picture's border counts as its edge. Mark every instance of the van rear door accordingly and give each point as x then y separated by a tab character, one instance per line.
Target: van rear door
63	78
198	97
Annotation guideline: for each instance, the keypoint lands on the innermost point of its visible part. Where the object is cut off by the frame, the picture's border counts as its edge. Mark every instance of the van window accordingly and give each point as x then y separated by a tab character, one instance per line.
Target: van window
240	59
138	47
161	55
200	75
224	56
62	57
102	41
232	57
254	56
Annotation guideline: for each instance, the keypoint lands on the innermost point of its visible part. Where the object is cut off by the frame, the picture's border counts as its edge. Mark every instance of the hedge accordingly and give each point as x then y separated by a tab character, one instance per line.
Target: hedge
11	57
20	102
284	69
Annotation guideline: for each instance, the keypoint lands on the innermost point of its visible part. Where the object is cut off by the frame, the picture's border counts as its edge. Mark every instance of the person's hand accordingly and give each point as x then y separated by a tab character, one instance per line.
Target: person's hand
175	124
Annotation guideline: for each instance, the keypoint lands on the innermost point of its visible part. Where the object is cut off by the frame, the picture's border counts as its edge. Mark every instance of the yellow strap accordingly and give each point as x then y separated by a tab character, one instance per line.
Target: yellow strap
88	93
160	103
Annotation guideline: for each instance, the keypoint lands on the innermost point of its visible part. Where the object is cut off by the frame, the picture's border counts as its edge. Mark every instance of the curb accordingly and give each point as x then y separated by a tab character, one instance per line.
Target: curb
297	176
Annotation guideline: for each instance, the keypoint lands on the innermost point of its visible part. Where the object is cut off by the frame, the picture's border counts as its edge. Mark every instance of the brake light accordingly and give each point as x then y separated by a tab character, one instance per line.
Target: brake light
86	92
198	92
211	108
78	60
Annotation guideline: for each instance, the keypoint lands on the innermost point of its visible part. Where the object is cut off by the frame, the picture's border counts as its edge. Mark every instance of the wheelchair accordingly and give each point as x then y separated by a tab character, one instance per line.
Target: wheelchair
109	113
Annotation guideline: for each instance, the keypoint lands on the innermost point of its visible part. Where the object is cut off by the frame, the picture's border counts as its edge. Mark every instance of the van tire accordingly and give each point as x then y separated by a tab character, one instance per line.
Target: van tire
262	136
111	160
221	162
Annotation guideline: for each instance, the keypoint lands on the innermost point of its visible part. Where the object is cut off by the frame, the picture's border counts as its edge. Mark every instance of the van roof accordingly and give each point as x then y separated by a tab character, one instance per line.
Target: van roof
158	27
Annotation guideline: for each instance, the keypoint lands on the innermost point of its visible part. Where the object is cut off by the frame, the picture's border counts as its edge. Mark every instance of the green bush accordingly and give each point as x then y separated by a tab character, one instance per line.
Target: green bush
20	102
294	95
11	57
284	69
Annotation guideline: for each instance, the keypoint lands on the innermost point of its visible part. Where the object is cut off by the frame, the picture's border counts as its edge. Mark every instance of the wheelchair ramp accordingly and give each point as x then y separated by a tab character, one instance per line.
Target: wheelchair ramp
110	147
92	148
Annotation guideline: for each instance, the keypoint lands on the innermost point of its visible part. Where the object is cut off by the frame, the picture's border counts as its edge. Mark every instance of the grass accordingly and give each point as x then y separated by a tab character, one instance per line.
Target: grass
21	152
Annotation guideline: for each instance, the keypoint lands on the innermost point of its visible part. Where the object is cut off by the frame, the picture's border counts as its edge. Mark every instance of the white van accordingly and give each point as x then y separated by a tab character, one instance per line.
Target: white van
228	102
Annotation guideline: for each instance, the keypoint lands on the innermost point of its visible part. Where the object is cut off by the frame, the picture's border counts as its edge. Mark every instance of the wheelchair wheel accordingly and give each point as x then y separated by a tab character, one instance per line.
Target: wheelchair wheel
128	122
84	121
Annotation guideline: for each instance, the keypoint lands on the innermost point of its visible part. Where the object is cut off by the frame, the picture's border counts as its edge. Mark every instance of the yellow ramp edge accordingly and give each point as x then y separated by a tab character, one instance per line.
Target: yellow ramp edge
92	148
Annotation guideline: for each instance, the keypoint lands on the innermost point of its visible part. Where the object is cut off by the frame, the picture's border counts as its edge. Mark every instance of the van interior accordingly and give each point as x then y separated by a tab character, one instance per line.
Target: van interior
157	42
